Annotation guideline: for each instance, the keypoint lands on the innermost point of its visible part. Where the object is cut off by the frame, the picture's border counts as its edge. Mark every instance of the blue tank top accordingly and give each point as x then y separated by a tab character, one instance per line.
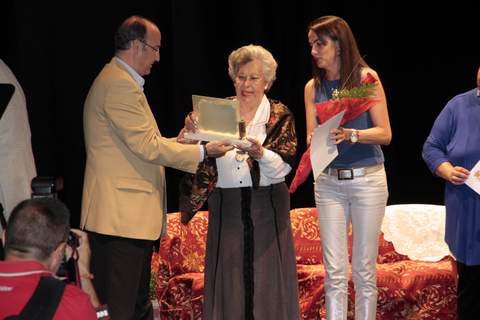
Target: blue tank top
351	155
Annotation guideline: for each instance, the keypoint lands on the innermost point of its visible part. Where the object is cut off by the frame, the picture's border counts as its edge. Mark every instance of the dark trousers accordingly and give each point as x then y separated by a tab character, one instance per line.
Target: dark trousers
121	269
468	292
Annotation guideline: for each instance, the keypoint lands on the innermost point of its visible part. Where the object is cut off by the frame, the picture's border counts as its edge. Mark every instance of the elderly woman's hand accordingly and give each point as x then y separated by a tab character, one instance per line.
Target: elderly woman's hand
255	150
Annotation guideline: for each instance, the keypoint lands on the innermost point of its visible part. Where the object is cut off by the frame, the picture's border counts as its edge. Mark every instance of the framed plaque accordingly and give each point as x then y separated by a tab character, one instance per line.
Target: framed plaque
218	119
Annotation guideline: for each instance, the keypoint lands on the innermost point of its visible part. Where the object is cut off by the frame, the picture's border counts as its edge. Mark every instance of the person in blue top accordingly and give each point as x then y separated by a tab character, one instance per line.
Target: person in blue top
450	151
353	188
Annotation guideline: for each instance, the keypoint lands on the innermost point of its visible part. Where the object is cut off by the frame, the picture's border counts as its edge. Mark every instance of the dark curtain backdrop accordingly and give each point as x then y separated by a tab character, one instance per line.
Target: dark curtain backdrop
424	54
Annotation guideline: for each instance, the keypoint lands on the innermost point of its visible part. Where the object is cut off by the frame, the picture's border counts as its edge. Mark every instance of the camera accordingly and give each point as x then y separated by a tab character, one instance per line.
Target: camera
68	269
45	187
48	187
72	240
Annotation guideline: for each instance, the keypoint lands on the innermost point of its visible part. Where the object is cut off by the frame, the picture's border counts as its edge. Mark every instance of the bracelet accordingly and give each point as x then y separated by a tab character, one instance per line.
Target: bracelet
102	312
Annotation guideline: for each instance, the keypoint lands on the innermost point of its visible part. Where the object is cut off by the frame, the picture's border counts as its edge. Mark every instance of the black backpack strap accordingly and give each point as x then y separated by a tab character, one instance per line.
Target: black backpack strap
44	301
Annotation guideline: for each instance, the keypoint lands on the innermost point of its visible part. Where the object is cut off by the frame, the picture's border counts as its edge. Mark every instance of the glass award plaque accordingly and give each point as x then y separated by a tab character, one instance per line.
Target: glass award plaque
218	119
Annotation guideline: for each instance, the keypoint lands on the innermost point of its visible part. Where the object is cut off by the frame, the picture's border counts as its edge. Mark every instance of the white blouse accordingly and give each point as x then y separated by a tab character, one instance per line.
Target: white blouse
233	173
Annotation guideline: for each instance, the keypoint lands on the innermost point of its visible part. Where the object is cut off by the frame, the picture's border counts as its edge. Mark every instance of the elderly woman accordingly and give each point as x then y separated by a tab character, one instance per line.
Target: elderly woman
250	268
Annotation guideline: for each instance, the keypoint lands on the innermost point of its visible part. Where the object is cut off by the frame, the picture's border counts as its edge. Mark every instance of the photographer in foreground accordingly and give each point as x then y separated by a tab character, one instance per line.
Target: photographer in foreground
35	245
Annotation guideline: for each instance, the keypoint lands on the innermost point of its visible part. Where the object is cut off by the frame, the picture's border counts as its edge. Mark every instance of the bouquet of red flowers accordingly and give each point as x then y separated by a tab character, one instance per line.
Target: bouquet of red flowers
354	101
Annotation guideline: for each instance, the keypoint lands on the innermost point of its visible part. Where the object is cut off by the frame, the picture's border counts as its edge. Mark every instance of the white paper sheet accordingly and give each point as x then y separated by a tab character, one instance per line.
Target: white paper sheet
322	149
473	180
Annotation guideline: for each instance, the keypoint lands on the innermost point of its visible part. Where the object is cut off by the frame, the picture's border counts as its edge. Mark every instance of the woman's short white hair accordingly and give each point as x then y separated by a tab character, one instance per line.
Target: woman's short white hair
246	54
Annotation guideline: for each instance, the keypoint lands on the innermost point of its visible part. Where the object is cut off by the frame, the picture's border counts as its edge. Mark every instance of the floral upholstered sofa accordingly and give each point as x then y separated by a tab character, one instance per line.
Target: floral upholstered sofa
407	289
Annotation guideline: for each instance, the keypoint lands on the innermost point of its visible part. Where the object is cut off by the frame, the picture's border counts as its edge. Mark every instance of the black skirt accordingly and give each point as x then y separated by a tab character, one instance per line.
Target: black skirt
250	268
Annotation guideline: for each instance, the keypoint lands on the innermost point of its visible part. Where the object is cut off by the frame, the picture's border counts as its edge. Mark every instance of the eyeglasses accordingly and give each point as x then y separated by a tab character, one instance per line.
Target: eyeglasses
254	79
156	49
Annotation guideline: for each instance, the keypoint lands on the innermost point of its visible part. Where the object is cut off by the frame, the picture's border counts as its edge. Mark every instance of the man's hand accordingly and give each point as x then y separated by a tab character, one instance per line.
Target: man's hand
84	253
181	138
216	149
191	125
191	122
83	261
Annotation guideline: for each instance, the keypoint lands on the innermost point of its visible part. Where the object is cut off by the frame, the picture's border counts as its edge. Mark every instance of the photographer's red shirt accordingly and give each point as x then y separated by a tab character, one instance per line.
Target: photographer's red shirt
18	280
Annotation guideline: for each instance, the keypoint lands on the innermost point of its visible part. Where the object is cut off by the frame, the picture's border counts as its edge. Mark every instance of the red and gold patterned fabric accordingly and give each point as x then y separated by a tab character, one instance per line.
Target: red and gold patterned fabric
406	289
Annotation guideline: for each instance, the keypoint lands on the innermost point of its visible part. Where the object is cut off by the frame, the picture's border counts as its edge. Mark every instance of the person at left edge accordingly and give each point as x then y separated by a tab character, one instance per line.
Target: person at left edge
17	163
123	206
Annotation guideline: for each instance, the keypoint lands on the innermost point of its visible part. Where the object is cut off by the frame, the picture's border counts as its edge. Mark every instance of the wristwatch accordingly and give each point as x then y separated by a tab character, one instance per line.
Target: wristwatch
354	136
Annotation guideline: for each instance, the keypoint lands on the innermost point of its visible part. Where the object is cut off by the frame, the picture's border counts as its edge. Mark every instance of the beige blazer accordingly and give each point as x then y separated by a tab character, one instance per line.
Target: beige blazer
124	188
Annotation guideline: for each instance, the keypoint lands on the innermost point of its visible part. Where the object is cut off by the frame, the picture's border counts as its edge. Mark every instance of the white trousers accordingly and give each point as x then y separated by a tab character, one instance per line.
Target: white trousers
362	202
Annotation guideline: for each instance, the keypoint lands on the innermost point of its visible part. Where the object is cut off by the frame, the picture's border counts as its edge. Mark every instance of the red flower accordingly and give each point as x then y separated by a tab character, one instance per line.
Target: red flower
369	79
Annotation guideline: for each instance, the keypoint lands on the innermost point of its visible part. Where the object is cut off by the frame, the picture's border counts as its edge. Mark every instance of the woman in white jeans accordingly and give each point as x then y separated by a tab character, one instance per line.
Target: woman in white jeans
353	189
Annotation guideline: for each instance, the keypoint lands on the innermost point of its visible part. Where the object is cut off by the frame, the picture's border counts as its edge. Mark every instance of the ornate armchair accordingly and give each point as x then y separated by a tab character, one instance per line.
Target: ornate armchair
408	288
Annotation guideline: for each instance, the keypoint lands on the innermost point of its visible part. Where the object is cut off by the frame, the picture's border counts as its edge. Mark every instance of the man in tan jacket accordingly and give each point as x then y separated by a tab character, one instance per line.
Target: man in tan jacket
123	205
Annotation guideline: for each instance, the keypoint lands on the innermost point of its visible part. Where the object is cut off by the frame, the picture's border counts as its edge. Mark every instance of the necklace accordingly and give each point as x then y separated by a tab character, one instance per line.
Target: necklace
240	156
